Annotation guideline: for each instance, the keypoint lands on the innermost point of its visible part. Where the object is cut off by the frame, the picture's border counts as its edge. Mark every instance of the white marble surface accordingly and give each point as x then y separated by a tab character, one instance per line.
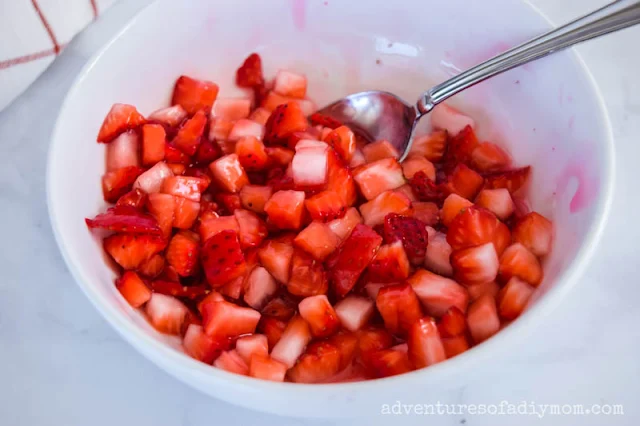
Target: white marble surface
62	364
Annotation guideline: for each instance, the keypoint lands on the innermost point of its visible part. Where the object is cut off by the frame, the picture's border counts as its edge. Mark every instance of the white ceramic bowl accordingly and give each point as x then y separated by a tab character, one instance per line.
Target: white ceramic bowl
548	114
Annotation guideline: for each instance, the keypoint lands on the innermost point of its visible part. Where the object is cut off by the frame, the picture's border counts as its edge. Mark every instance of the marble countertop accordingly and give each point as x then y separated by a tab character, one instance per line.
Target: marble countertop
62	364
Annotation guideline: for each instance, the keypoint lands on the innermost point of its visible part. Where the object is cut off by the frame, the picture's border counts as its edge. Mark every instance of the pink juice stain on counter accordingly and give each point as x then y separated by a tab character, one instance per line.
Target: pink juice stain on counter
299	13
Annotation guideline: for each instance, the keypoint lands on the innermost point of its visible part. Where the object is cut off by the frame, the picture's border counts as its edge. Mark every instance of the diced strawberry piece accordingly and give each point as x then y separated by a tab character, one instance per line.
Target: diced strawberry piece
325	206
200	346
171	116
438	255
285	209
225	319
535	232
166	313
512	180
343	141
194	95
260	115
169	274
387	362
276	256
245	128
185	213
371	340
318	119
232	362
173	155
250	72
517	261
431	146
320	315
476	226
213	226
354	312
293	342
487	157
233	289
455	345
125	219
213	296
182	254
407	192
231	108
346	343
120	118
390	264
450	119
230	202
153	142
175	289
162	207
151	180
251	153
350	260
342	227
135	198
399	307
219	130
254	197
414	164
176	168
309	166
412	233
497	201
130	251
425	345
317	240
438	294
461	146
285	119
273	328
291	84
426	212
267	368
375	178
118	182
255	344
374	211
453	323
252	229
320	361
379	150
453	205
357	159
307	277
153	267
341	181
513	298
207	152
260	286
425	189
475	265
133	289
189	135
184	186
464	182
482	318
222	258
372	289
229	173
123	151
478	290
282	308
279	156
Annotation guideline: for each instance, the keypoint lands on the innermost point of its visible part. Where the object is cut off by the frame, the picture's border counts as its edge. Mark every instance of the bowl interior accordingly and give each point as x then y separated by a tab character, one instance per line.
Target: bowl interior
546	114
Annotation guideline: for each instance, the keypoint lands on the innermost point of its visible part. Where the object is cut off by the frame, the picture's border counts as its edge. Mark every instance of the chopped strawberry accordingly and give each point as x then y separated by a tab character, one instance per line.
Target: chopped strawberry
370	340
254	344
182	253
453	323
478	290
450	119
317	240
189	135
475	265
387	362
118	182
341	181
461	146
286	119
250	73
194	95
120	118
350	260
324	120
233	289
125	219
476	226
184	186
133	289
438	294
372	289
293	342
260	115
254	197
130	251
282	308
135	198
354	312
252	229
512	180
497	201
225	319
346	343
279	156
320	315
407	192
308	277
219	129
123	151
153	267
276	256
173	155
375	211
390	264
185	213
455	345
482	318
357	159
273	328
171	116
517	261
222	258
229	173
291	84
513	298
162	207
214	225
153	142
412	233
487	157
414	164
175	289
399	307
259	287
343	141
151	180
320	361
325	206
230	202
245	128
438	255
375	178
431	146
200	346
426	212
309	167
166	313
231	108
425	345
464	182
379	150
342	227
285	209
251	153
232	362
425	188
267	368
176	168
535	232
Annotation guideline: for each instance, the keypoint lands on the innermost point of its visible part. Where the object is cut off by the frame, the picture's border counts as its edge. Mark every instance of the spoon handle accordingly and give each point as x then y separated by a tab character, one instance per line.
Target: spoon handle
616	16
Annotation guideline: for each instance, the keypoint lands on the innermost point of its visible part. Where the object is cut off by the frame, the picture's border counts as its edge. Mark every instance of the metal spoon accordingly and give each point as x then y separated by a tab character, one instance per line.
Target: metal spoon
377	115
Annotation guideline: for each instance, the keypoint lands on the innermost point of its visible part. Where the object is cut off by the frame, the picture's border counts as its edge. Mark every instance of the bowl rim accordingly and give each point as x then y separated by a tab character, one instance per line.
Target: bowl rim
507	337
